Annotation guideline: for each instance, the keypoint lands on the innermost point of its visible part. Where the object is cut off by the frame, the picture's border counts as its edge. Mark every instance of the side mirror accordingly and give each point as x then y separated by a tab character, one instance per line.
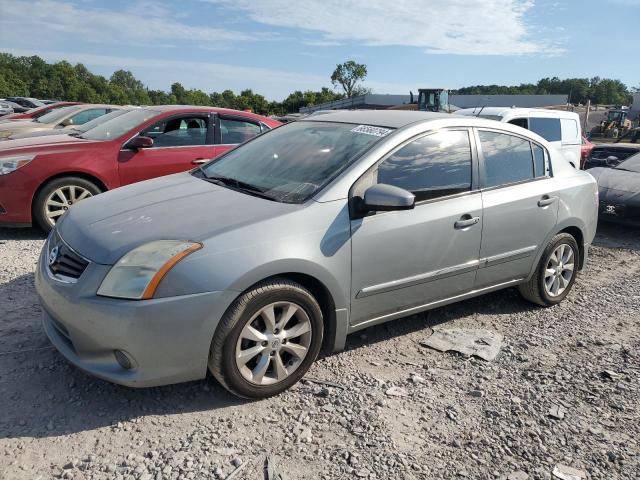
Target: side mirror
140	142
383	198
67	123
612	161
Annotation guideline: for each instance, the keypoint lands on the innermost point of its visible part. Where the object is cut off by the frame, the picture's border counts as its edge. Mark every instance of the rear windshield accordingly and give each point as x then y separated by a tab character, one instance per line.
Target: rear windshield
118	126
293	162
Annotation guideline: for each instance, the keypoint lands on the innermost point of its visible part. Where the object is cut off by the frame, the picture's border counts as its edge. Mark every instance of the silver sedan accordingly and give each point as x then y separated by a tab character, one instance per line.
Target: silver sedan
251	263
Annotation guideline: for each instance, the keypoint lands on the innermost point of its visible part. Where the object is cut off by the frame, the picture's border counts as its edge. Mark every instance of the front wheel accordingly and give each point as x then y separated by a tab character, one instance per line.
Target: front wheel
57	196
267	339
556	273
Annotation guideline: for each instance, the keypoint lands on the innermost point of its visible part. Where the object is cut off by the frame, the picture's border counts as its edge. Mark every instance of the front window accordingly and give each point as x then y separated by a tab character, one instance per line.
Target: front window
433	166
56	115
87	115
119	126
178	132
97	121
291	163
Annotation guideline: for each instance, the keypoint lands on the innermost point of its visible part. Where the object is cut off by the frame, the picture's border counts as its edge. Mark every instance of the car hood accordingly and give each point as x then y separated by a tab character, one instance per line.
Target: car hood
180	206
622	180
23	144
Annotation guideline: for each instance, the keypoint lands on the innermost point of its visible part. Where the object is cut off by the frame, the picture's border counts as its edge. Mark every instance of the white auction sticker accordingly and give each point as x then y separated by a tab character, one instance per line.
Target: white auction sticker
369	130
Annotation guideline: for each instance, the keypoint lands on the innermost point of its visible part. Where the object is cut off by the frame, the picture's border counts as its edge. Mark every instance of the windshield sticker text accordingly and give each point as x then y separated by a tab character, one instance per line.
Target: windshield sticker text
369	130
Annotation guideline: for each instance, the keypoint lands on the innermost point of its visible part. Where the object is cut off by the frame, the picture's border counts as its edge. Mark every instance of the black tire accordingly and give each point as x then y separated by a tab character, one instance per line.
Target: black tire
534	289
222	362
39	204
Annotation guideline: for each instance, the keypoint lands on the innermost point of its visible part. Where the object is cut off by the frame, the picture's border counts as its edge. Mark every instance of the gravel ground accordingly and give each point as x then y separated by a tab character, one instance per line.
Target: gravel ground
564	393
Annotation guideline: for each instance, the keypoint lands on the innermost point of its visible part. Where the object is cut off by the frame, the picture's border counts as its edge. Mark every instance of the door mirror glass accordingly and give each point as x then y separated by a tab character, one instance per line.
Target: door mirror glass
382	197
612	161
140	142
66	123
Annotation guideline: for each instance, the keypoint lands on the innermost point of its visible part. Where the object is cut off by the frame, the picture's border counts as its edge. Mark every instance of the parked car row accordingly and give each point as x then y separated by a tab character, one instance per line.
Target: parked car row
51	162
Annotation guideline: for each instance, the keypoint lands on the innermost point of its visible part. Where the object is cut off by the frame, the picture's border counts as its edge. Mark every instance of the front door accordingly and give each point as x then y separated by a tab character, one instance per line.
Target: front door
404	260
520	200
180	143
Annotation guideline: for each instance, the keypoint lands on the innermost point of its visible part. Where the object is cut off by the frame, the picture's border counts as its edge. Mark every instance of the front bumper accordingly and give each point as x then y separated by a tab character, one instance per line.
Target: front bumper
167	339
16	193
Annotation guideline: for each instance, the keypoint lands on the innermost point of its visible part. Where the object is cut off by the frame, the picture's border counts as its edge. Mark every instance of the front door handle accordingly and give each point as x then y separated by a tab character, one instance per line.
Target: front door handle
466	221
546	200
199	161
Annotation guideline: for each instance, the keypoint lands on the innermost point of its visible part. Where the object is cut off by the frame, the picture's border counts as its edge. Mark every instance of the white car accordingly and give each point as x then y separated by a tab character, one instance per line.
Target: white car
560	128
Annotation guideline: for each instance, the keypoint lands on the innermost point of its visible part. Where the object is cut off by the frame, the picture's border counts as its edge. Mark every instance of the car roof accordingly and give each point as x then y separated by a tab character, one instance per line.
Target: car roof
503	111
197	108
378	118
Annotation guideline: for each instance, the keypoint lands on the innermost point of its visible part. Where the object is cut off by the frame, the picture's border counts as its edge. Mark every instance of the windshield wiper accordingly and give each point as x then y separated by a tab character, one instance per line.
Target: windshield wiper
238	185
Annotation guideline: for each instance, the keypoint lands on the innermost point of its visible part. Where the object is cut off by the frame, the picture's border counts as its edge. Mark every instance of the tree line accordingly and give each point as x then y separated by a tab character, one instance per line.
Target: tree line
34	77
601	91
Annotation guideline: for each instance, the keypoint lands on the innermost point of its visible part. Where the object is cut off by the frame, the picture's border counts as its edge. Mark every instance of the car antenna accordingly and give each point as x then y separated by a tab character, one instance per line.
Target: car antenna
480	111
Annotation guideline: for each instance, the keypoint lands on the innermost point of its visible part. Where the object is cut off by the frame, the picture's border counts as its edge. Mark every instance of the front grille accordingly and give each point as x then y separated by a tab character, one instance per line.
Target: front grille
63	260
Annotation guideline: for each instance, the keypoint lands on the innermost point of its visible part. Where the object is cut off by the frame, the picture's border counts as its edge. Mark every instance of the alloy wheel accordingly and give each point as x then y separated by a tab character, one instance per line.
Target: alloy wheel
61	199
559	270
273	343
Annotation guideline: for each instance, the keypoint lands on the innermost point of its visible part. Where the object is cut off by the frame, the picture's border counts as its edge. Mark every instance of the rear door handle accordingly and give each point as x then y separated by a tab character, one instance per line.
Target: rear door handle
466	221
546	201
199	161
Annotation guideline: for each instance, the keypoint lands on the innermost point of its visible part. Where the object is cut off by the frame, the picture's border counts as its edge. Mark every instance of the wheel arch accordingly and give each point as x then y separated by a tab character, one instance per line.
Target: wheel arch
84	175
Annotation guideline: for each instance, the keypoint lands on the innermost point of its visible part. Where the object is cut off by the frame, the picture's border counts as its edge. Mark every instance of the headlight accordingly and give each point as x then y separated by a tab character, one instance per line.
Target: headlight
9	164
137	275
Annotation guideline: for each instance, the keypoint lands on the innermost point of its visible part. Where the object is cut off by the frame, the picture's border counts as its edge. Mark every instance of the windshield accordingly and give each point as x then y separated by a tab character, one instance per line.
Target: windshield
118	126
97	121
632	164
291	163
57	114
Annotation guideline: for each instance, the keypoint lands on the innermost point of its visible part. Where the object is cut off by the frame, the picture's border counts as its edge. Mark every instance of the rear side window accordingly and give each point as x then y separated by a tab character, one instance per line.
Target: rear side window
507	159
547	128
237	131
539	163
569	131
430	167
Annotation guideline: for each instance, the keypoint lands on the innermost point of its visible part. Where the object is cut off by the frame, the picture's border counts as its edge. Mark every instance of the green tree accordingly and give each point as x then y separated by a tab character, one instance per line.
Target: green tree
347	75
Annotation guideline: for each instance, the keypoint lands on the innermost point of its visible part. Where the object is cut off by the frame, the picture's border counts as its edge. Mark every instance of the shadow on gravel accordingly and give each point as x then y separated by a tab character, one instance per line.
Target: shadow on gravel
30	233
613	235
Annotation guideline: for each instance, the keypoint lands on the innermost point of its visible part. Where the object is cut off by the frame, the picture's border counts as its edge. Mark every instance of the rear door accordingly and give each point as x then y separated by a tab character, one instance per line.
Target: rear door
404	260
232	130
180	142
520	205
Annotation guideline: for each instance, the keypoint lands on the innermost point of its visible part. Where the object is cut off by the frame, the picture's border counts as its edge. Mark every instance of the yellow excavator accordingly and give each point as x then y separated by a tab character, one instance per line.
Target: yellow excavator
616	124
429	100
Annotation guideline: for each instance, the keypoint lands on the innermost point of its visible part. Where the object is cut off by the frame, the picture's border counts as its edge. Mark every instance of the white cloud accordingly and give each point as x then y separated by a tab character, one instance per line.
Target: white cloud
471	27
141	23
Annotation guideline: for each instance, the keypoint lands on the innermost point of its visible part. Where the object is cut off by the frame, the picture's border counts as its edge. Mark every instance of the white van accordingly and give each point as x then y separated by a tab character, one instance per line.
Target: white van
560	128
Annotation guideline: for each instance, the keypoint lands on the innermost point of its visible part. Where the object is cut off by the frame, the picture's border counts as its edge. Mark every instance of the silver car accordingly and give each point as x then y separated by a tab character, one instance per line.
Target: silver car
251	263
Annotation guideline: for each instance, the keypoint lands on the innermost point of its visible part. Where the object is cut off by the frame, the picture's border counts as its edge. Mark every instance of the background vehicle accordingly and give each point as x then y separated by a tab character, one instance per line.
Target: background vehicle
616	124
5	108
26	102
610	154
619	189
585	150
73	130
60	118
315	230
36	112
44	176
560	128
18	109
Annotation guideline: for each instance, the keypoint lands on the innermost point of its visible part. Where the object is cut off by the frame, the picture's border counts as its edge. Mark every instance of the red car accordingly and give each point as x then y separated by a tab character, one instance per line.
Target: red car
41	177
37	112
585	150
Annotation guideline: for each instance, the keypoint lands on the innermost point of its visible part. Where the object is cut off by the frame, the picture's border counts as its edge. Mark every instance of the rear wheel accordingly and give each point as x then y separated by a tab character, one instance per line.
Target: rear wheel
57	196
555	274
267	339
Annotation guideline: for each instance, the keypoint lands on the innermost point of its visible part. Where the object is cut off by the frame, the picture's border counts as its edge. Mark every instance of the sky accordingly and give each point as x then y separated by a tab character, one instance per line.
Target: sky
277	46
